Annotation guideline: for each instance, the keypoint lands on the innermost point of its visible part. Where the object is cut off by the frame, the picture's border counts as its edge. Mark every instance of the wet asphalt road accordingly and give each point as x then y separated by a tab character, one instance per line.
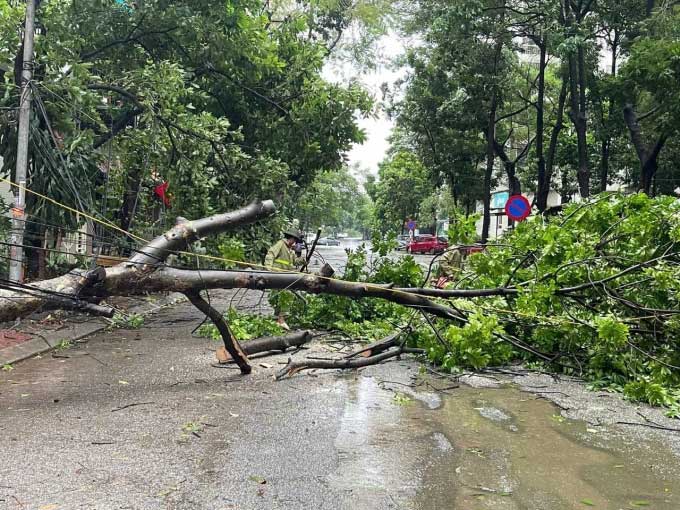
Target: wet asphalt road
109	424
141	419
336	256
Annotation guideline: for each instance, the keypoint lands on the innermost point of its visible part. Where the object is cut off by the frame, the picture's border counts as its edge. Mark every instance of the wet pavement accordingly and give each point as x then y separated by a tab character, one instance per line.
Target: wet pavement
336	256
141	419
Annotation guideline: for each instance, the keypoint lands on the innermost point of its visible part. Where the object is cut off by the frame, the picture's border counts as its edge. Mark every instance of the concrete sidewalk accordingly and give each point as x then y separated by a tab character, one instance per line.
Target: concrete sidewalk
73	327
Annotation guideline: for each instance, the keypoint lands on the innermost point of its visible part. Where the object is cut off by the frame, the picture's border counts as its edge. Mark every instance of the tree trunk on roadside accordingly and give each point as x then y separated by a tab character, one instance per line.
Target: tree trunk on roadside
577	112
543	186
648	156
606	142
578	118
488	171
490	152
544	191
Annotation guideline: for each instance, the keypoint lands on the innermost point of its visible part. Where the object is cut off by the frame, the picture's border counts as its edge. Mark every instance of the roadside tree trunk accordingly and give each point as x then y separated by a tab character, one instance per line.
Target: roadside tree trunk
577	89
606	125
490	152
488	171
543	178
647	155
544	191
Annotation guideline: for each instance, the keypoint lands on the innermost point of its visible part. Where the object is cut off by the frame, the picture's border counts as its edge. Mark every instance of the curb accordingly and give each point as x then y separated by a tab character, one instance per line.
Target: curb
75	332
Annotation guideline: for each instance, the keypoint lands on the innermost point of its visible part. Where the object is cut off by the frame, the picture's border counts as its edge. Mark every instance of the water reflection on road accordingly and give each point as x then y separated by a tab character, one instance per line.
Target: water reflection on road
488	448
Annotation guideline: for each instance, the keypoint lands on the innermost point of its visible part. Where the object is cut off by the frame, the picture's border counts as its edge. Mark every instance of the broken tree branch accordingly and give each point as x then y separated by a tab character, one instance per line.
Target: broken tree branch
185	232
343	363
230	343
184	280
379	346
270	343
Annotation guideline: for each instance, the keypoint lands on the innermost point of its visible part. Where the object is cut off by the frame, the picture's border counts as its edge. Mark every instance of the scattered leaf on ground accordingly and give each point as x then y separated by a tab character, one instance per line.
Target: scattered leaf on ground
257	479
401	399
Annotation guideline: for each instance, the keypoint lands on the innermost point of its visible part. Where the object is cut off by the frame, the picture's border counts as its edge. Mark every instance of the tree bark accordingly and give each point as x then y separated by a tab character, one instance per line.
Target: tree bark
144	273
543	186
294	367
230	343
510	165
490	153
488	171
577	94
271	343
648	156
543	193
606	142
578	118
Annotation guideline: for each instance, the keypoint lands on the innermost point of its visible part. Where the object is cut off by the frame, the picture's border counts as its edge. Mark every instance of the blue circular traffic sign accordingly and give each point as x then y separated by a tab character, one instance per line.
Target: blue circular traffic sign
517	208
411	225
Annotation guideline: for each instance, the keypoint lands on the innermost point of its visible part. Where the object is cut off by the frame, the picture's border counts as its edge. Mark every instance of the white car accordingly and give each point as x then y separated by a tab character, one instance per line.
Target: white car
327	241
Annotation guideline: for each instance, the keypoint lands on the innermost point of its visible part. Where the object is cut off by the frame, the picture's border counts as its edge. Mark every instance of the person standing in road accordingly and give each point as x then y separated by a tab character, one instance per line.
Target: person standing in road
284	255
451	265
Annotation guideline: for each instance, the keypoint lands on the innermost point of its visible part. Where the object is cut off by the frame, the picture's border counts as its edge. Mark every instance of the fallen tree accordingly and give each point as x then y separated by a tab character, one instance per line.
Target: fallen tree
593	291
147	272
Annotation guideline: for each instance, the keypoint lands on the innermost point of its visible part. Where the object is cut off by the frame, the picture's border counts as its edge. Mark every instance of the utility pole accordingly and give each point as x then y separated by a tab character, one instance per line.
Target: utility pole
18	211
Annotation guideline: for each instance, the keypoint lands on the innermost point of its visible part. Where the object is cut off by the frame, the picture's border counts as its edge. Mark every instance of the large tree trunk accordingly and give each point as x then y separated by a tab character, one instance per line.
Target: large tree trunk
578	118
488	171
543	181
490	152
648	156
146	272
606	125
577	93
543	192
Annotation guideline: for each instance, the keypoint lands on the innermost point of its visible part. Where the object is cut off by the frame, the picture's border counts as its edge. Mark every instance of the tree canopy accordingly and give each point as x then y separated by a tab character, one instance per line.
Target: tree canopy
533	97
224	103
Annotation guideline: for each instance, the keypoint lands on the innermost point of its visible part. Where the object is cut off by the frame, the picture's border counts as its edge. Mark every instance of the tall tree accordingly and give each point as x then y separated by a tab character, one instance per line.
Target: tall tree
402	186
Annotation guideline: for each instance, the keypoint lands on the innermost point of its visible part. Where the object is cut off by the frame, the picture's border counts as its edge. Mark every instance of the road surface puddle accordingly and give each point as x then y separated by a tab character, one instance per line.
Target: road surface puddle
490	449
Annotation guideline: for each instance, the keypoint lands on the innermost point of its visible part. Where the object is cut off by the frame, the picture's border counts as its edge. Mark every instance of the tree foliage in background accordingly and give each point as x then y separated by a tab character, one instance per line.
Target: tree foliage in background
226	103
578	96
335	202
401	187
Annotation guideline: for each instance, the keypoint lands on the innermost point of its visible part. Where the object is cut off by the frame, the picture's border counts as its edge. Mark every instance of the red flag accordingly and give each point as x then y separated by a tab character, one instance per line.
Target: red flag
161	191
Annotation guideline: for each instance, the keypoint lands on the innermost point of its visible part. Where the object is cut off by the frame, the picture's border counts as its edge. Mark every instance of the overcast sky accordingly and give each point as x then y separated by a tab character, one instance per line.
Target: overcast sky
377	129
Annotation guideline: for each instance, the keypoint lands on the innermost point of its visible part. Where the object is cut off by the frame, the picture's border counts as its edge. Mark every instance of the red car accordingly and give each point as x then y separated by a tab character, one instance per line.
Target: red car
427	244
